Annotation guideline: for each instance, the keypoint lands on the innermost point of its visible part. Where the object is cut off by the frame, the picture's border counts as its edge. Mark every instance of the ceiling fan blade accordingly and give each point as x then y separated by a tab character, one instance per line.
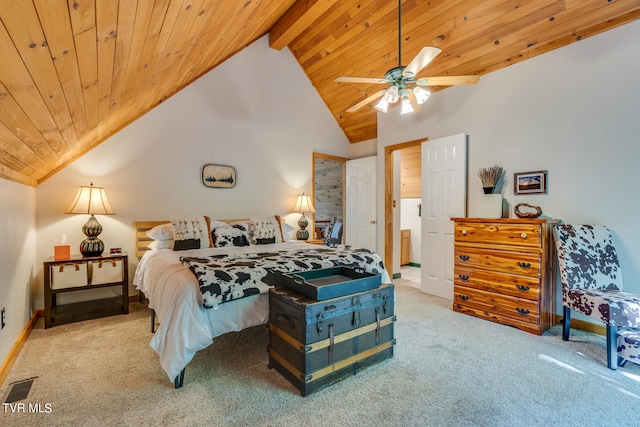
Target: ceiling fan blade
448	80
421	60
414	102
365	101
371	80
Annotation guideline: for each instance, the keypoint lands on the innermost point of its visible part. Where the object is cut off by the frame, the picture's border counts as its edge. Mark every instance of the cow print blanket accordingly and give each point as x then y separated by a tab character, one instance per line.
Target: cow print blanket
225	278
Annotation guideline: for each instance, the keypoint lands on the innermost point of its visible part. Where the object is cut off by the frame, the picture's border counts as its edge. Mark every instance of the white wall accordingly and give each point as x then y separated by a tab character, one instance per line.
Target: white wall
17	259
409	220
362	149
573	112
257	112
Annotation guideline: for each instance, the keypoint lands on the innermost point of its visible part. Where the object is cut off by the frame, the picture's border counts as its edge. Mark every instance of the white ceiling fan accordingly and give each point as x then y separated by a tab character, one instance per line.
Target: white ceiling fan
402	81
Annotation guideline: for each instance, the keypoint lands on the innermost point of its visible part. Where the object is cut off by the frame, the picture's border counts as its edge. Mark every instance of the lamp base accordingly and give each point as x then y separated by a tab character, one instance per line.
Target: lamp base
91	246
302	234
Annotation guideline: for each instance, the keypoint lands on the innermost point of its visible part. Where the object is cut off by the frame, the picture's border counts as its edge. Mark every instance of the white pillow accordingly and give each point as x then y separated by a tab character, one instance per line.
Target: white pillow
161	232
288	231
161	244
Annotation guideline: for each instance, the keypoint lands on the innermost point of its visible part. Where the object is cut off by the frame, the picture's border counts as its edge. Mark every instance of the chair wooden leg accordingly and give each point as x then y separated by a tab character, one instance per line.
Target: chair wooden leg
566	323
612	347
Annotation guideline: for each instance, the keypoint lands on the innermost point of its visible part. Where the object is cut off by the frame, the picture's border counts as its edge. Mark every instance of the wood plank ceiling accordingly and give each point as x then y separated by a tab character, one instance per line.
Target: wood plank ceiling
73	72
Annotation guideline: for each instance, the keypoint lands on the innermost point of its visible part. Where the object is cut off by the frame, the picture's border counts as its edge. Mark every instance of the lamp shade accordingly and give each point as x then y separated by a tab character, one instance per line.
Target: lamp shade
303	204
90	200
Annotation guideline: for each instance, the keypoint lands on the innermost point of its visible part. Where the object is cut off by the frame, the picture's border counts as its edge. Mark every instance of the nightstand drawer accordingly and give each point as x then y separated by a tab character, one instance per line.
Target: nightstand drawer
106	271
70	275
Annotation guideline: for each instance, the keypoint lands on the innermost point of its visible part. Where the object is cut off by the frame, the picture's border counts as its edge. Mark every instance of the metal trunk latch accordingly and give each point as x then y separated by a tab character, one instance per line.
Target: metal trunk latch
377	325
356	312
331	343
319	326
385	303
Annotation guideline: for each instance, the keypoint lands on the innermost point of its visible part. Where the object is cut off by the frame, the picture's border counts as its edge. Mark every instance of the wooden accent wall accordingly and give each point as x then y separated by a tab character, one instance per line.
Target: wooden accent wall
411	172
328	189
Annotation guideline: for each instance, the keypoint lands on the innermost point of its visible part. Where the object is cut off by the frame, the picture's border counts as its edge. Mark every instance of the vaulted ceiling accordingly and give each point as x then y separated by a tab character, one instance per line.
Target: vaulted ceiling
73	72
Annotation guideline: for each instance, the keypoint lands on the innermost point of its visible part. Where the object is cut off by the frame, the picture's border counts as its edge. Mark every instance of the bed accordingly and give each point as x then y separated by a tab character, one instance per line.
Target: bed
189	318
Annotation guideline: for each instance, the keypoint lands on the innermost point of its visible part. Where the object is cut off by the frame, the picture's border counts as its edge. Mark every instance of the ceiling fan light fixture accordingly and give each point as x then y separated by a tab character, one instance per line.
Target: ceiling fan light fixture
392	95
407	108
382	105
421	94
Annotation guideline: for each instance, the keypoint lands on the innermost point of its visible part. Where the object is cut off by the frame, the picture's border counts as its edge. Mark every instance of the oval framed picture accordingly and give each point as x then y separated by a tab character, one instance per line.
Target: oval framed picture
219	176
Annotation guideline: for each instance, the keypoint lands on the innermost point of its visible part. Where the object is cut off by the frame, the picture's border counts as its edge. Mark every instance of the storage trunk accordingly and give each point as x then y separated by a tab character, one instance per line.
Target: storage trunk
317	343
326	283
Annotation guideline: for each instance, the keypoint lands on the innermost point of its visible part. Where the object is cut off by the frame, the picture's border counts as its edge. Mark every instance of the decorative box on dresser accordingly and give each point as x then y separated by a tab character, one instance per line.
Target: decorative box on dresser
504	271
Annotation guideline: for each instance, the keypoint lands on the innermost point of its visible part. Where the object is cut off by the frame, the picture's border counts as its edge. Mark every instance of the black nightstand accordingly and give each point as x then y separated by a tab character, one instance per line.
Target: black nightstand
78	273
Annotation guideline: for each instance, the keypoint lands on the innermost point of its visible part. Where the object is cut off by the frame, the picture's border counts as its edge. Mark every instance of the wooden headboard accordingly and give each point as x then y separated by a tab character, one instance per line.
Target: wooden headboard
142	240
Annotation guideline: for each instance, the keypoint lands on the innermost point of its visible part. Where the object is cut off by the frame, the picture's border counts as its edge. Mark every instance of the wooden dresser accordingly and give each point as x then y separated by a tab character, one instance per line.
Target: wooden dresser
504	271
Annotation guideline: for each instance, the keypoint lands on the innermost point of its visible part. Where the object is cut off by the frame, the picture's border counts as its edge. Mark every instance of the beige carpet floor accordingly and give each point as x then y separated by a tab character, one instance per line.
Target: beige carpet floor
448	370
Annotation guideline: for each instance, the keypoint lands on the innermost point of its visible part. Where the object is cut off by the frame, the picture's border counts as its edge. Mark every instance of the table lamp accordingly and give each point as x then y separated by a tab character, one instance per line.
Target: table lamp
92	201
303	205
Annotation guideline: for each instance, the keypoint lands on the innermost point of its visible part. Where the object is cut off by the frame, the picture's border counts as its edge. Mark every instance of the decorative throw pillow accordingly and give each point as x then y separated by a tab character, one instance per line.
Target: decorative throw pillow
231	235
266	230
214	223
191	233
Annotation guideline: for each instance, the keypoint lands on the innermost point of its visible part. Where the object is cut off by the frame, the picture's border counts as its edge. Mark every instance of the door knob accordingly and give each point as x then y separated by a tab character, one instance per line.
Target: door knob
373	221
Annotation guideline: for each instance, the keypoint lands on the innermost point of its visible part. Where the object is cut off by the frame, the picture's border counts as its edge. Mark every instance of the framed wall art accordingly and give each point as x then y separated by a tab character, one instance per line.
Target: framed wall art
530	182
219	176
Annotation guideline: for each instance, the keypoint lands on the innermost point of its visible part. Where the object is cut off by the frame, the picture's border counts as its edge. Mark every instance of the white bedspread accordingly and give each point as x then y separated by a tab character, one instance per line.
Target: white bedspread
185	325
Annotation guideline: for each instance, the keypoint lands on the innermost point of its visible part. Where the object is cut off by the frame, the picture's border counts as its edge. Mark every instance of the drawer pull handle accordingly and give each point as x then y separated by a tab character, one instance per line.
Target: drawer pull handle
463	278
463	297
523	235
464	232
524	265
523	288
464	257
522	310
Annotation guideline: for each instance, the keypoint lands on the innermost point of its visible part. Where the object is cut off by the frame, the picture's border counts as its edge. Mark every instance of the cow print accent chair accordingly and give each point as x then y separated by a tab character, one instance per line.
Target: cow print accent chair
592	285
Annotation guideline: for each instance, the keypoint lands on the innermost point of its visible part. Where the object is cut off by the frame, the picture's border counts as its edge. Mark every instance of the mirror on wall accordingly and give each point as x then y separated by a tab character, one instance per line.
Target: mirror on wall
328	191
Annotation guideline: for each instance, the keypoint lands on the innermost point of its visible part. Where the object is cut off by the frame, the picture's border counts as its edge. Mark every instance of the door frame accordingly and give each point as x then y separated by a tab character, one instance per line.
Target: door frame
388	197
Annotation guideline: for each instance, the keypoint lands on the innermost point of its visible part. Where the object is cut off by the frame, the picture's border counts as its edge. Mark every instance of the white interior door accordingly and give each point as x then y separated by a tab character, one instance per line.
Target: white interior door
360	212
444	190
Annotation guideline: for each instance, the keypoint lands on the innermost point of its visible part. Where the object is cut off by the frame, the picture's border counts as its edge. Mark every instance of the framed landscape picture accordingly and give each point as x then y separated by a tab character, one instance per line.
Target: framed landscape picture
219	176
530	182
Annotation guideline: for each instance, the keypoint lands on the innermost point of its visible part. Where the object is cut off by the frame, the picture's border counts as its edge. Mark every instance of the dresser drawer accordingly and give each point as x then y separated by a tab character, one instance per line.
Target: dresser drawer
521	263
507	284
523	235
516	308
522	324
